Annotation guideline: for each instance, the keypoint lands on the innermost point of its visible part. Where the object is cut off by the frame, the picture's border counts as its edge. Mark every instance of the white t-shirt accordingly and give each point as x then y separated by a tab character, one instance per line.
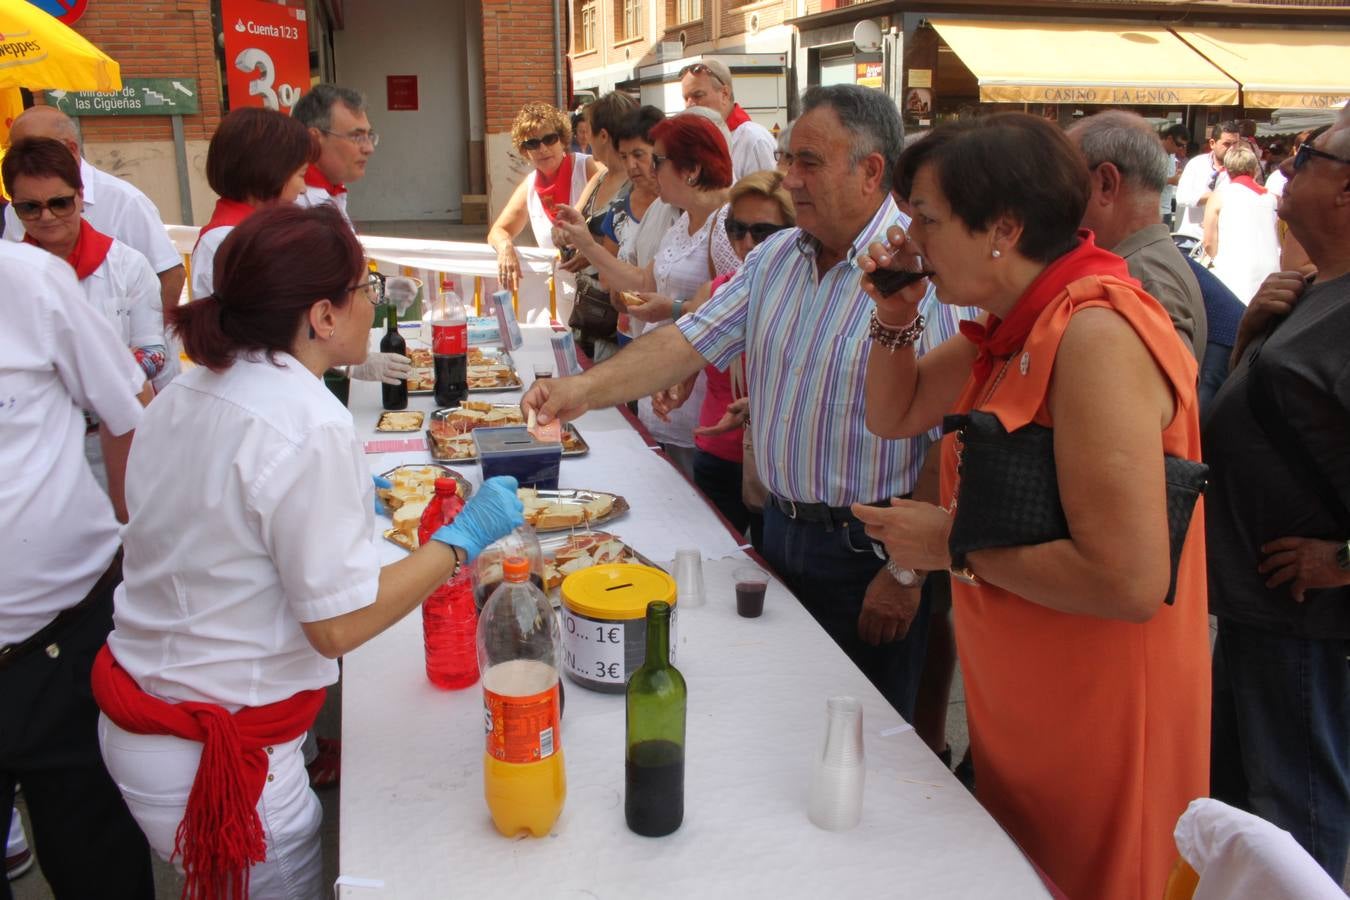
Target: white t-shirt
1275	183
1194	184
118	209
259	520
57	358
1169	191
126	290
317	196
752	147
204	260
681	267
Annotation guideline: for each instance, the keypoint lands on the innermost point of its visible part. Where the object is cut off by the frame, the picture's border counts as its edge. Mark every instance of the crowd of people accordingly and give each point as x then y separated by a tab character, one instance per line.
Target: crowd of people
795	318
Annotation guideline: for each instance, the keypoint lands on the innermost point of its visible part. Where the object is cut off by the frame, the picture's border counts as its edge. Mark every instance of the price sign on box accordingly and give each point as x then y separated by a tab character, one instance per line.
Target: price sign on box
594	650
266	54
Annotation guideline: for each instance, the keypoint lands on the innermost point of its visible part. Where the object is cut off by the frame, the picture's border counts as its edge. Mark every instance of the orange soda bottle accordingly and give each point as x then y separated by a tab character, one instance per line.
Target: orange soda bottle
519	643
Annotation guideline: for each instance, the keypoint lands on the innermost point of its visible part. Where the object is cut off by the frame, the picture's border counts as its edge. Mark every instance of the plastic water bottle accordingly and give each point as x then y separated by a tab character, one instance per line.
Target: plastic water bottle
450	350
449	620
524	779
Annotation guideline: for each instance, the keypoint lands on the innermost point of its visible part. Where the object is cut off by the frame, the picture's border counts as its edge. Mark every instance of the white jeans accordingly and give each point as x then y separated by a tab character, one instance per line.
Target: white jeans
155	773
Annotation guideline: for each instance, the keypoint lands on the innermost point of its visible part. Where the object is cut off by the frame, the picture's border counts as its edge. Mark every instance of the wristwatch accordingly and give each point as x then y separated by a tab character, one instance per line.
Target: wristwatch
906	577
1343	556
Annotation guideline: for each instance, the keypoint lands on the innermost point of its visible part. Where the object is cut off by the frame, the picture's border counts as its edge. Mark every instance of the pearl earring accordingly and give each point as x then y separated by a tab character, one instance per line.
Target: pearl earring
997	254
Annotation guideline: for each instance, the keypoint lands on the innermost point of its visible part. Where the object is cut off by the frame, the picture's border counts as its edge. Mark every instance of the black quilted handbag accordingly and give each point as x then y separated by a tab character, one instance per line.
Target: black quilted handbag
1009	490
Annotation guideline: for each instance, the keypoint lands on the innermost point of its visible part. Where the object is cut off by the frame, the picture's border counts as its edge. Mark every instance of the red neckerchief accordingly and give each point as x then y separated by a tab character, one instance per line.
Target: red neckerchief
91	249
1003	337
737	118
227	214
557	191
1249	183
220	835
315	178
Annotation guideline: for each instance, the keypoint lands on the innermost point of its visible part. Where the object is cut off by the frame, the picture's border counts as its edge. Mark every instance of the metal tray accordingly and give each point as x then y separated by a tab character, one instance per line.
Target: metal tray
551	545
571	429
465	490
502	357
581	496
421	419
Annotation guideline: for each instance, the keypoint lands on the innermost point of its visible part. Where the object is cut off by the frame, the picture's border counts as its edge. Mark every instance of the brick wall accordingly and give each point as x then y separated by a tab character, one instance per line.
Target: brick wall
517	58
155	39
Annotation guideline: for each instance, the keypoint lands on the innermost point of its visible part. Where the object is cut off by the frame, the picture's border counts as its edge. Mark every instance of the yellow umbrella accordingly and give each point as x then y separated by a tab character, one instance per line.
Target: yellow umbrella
37	52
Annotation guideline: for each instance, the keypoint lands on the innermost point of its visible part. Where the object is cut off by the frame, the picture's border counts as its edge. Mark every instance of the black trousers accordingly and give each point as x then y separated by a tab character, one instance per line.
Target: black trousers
86	842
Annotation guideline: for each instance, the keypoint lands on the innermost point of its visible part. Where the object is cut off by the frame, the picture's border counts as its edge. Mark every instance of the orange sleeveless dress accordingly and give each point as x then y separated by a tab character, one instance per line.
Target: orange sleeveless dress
1089	736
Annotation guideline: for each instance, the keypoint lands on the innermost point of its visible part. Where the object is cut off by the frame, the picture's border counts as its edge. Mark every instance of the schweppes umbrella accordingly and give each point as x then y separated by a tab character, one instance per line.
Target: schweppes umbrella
38	52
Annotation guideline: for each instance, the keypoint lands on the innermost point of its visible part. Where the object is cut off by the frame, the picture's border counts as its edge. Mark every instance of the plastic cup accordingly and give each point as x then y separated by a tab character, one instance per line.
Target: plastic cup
751	584
689	578
835	802
541	370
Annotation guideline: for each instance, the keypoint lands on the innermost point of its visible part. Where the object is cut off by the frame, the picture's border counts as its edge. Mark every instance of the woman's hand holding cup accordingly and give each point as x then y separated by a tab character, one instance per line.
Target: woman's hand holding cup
897	254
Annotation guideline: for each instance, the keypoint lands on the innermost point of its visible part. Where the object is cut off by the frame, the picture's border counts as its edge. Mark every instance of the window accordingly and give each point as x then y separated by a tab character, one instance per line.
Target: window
689	10
630	21
586	33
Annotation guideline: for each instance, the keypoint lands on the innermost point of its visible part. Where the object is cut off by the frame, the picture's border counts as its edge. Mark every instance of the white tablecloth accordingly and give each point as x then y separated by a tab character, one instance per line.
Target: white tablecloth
414	823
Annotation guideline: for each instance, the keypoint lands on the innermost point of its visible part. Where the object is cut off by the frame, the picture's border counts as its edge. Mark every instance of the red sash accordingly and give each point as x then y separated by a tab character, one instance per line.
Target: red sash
556	191
1249	183
91	249
220	836
227	214
315	178
737	118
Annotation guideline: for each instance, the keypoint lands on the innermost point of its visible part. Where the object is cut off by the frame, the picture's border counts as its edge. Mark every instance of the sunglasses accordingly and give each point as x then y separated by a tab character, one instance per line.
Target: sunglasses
1302	157
31	210
547	140
736	229
699	69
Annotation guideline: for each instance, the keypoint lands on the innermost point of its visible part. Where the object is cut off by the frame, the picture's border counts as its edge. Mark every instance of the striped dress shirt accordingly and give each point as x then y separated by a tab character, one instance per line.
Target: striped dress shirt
806	345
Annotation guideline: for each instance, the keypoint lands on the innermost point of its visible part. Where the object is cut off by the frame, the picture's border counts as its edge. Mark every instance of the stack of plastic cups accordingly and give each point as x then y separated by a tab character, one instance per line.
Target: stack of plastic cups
837	778
689	578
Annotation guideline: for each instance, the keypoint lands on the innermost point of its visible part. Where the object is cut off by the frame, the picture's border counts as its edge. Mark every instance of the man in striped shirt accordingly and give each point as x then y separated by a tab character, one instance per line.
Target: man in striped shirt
798	311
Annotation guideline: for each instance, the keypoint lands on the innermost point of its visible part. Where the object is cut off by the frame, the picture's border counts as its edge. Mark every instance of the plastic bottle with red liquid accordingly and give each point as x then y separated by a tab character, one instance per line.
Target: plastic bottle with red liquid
450	350
449	620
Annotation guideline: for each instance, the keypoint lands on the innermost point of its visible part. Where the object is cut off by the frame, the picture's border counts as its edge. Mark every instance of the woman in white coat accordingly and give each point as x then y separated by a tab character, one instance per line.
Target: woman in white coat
251	563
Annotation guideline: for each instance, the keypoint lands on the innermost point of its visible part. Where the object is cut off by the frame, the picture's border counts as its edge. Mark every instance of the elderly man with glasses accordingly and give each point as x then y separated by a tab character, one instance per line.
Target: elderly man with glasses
1277	441
708	83
336	116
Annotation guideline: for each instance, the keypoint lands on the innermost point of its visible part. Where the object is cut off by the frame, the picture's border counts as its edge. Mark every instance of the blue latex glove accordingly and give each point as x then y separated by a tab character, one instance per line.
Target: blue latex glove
490	515
380	484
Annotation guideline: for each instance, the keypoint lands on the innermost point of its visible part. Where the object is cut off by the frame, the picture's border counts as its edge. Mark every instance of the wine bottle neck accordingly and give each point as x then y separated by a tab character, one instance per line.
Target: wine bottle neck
391	319
658	636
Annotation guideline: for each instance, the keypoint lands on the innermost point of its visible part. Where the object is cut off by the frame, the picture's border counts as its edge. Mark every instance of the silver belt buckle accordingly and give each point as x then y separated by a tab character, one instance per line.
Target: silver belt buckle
792	503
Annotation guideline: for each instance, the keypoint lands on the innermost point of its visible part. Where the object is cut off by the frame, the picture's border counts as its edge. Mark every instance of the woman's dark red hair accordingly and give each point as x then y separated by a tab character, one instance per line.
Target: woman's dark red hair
269	271
692	141
255	151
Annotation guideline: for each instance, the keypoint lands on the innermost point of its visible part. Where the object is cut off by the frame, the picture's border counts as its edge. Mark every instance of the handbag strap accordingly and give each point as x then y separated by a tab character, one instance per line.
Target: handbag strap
1297	457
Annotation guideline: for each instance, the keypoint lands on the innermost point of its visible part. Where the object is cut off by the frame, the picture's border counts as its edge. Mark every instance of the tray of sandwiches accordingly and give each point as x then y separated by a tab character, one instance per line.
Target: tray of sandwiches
490	369
566	510
412	488
574	552
450	438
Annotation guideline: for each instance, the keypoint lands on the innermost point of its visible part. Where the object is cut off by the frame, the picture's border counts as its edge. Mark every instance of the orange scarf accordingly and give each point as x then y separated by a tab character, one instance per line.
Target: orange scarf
220	836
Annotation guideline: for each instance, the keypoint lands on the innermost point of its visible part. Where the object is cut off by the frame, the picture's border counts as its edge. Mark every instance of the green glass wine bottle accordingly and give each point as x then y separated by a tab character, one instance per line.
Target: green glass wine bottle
654	786
394	396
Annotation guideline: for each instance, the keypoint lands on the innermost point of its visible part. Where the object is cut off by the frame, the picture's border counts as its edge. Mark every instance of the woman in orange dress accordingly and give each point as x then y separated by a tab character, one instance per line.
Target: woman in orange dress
1087	695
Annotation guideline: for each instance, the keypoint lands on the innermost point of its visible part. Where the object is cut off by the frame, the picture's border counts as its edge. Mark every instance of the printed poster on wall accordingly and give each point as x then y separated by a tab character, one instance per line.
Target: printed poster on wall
266	54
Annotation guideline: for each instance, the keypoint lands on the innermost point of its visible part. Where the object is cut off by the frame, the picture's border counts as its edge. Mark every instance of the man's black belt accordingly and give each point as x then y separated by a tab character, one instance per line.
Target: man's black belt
819	513
47	634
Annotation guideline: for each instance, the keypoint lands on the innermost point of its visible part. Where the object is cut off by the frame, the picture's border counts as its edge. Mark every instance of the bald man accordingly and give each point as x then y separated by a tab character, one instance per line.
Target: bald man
113	206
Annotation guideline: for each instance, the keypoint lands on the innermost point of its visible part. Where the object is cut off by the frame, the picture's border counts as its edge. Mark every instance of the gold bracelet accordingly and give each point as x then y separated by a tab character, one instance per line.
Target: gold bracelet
892	338
966	574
